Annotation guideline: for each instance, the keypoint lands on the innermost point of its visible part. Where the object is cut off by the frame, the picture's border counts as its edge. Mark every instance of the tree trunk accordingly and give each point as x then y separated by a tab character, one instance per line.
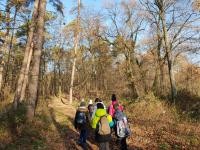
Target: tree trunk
1	74
168	52
134	71
4	47
138	82
25	81
25	65
35	70
54	85
158	80
60	81
10	47
75	52
72	78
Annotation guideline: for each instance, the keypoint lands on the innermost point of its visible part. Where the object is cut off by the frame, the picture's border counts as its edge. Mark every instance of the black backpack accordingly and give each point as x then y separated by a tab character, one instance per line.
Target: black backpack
81	118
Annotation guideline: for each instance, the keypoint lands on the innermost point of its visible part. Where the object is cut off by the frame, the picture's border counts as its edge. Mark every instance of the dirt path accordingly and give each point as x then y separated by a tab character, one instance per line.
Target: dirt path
63	116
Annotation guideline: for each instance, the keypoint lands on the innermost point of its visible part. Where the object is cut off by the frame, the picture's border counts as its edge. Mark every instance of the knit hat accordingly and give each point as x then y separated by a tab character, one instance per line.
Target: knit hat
82	104
90	102
114	97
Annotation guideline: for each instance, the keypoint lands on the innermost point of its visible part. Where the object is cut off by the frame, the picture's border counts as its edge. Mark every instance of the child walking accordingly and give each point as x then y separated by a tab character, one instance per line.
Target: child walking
102	122
122	129
80	123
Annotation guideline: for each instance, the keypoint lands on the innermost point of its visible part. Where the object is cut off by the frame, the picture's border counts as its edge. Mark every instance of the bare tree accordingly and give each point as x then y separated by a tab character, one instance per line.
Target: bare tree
76	42
126	36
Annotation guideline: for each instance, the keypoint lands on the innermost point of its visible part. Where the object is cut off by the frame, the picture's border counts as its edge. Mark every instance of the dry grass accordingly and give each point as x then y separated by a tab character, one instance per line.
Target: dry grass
156	125
151	108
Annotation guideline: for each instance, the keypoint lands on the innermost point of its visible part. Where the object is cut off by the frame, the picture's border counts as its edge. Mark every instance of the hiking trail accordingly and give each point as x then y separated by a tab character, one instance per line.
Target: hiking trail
63	117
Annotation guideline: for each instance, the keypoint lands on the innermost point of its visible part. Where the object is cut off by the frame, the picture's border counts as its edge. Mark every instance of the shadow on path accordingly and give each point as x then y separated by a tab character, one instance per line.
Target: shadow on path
68	135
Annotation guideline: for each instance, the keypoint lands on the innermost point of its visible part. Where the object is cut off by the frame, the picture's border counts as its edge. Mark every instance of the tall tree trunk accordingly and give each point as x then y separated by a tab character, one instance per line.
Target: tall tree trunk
72	78
138	81
4	47
25	81
1	68
168	51
10	47
158	80
135	75
59	80
25	65
35	70
1	73
75	53
134	70
54	85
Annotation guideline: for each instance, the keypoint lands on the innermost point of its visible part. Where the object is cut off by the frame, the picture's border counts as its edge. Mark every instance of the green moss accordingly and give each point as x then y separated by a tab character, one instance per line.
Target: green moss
164	146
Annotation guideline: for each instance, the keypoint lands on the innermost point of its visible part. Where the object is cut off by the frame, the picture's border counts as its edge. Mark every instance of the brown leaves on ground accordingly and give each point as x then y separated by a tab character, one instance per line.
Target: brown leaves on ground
148	132
156	126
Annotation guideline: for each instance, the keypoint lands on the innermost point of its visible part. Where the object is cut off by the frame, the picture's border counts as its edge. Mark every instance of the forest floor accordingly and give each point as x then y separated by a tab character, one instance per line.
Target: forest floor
63	117
146	134
53	129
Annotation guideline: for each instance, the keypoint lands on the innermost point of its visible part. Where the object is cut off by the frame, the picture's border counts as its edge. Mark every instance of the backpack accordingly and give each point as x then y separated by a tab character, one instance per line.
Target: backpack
123	129
104	128
81	118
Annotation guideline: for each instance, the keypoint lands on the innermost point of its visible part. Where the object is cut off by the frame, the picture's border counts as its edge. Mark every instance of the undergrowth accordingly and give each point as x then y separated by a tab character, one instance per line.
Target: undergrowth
161	124
17	133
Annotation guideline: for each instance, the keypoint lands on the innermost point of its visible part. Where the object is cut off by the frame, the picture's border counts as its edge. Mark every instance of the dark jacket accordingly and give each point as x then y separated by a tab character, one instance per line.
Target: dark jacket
81	110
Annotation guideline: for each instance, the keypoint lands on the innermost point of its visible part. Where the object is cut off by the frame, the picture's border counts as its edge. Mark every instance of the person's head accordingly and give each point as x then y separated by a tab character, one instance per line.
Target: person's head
98	100
100	106
82	104
113	98
116	106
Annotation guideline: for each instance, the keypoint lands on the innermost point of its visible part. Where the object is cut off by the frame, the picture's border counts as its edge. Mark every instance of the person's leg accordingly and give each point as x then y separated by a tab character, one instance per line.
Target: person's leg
81	137
84	136
123	144
107	147
102	146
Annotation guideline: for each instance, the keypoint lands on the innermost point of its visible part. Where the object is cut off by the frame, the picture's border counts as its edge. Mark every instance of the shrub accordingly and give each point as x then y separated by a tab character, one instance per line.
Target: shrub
152	108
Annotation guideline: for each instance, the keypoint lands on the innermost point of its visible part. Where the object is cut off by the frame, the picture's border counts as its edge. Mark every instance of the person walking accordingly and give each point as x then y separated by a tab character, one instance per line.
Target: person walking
97	100
111	109
122	130
90	110
80	123
102	123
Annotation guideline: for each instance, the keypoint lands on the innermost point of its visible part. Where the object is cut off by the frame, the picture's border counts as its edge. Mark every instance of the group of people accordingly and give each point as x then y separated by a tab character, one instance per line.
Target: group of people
103	120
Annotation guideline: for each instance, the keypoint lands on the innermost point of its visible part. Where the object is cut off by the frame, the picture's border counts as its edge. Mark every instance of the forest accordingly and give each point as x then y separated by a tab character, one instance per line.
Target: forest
56	53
